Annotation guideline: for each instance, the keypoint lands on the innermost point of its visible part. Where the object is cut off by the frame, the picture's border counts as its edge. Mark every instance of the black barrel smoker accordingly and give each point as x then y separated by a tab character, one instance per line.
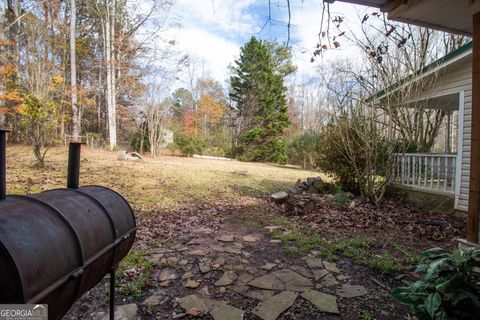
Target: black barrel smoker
58	244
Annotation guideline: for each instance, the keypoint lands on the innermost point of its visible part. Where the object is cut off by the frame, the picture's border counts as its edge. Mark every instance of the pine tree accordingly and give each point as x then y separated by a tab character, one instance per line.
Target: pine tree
259	94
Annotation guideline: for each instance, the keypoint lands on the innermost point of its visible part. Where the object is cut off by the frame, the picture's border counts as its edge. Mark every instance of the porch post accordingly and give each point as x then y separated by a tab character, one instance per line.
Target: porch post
474	193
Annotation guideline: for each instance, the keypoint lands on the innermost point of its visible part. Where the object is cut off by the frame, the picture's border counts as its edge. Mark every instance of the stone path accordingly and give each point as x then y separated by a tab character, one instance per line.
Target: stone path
225	274
221	269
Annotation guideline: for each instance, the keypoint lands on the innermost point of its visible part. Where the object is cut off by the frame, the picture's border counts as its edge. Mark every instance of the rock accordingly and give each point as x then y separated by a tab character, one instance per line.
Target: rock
319	274
192	284
202	304
155	298
283	279
301	270
222	290
293	281
187	275
227	278
276	241
312	190
328	281
227	312
122	155
125	312
269	266
204	230
351	291
249	239
164	284
268	282
314	262
204	266
218	262
271	308
233	250
332	267
280	197
322	301
204	291
226	238
273	228
168	274
198	252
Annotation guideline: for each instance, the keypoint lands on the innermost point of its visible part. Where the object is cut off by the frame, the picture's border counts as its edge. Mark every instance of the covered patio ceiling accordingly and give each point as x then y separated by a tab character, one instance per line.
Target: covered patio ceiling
453	16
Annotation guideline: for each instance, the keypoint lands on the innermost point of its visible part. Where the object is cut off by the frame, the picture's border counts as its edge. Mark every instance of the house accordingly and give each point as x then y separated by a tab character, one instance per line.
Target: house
444	84
460	17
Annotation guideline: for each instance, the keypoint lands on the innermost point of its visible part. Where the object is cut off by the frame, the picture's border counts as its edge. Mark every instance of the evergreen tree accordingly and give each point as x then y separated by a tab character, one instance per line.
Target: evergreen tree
259	95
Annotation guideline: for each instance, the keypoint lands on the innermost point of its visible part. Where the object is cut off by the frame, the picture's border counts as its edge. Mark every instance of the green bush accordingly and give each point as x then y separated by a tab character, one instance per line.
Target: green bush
450	287
304	149
136	140
354	149
188	144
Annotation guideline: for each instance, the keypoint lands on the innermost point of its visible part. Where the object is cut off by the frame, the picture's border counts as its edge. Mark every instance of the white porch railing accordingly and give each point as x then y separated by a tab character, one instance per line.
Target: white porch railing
432	171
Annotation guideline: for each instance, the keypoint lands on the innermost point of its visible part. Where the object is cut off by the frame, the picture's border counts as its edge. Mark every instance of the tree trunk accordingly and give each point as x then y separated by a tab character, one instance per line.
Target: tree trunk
73	71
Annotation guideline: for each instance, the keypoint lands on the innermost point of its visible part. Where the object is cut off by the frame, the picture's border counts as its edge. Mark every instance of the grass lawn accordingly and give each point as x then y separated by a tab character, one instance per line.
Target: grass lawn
153	183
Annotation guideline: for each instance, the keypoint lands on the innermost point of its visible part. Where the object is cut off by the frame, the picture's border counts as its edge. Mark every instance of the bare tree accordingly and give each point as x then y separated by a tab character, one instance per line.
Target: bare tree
73	71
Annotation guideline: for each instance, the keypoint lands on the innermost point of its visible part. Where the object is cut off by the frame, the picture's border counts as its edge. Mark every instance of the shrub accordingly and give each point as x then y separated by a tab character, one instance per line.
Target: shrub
188	144
450	288
356	152
304	149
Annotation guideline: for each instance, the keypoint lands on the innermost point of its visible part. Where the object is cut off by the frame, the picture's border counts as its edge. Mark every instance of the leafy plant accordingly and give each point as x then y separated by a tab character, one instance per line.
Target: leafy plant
450	288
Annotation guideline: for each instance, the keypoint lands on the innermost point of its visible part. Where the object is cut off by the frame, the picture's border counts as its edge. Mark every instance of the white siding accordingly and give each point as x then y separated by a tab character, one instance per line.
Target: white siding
454	80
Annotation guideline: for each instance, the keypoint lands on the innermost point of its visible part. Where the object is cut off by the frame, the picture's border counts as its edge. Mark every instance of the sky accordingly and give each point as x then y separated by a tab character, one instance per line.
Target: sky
211	32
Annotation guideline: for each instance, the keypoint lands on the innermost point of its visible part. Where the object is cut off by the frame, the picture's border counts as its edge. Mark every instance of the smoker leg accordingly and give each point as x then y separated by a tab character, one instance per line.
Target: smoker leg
112	294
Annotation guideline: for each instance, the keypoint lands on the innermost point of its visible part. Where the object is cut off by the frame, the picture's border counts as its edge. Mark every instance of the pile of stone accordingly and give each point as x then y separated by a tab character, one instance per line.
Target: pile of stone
305	196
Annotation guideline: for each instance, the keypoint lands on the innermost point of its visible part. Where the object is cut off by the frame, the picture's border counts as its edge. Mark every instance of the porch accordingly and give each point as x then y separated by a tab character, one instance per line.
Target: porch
426	172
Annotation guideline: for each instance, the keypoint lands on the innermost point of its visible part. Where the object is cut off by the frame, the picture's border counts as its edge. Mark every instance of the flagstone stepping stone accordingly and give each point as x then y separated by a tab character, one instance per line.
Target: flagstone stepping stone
187	275
319	274
314	262
204	266
244	278
249	238
192	284
204	291
293	281
269	266
332	267
351	291
125	312
328	281
155	298
168	274
226	238
227	278
198	252
227	312
204	230
268	282
236	267
199	303
322	301
252	293
271	308
233	250
283	279
301	270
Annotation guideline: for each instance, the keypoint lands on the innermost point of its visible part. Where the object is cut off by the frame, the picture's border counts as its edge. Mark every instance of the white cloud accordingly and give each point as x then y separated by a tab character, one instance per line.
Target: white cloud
215	52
